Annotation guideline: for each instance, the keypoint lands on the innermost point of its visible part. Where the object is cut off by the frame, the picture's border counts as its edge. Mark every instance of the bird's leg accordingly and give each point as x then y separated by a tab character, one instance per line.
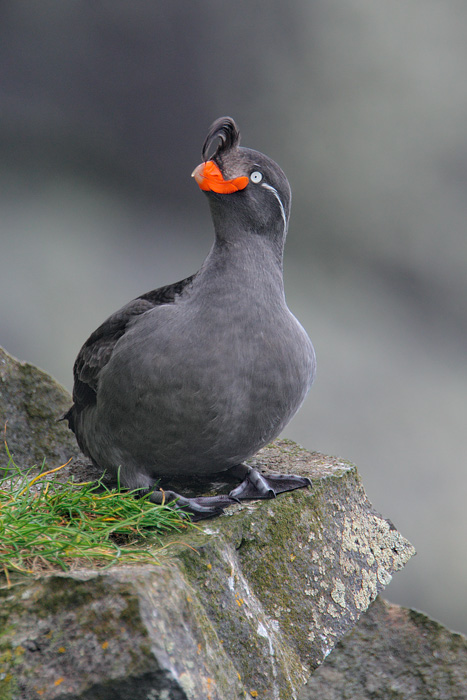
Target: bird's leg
197	508
266	485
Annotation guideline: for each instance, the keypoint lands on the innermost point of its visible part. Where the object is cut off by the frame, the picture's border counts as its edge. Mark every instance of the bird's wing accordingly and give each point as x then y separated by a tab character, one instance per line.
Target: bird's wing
98	349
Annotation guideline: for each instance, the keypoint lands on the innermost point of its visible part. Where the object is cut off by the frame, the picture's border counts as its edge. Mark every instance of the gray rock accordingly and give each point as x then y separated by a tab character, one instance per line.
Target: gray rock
247	606
393	652
31	401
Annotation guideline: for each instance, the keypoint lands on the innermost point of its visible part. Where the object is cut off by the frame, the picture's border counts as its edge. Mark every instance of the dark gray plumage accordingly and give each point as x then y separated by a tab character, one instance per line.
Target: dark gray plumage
195	377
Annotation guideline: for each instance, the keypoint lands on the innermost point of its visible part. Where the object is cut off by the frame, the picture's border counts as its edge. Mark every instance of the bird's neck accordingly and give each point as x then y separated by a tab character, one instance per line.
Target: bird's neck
249	263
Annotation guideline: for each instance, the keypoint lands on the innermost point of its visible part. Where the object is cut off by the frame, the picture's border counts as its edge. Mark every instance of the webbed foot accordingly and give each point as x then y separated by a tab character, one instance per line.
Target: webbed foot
197	508
257	485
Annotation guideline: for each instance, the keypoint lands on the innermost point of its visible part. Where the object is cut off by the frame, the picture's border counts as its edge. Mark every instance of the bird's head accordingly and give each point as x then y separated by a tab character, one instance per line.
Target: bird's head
244	184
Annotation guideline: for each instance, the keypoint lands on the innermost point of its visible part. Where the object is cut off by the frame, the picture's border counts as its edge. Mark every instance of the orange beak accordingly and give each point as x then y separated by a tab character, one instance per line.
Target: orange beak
209	178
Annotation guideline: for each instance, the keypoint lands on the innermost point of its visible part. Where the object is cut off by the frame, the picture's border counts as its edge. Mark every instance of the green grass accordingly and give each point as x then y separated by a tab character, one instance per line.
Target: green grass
48	525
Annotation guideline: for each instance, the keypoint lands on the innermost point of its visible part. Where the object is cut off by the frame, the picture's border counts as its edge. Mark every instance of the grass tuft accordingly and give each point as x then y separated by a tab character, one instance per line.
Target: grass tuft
48	525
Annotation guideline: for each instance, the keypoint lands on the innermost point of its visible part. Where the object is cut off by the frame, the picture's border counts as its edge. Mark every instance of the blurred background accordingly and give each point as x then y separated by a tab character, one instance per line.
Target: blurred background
104	107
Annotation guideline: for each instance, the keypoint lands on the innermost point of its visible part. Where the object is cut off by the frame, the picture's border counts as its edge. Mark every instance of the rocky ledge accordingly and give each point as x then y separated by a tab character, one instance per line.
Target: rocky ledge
248	605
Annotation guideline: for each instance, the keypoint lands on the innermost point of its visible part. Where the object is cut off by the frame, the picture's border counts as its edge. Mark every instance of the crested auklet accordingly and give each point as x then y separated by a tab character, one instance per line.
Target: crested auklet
195	377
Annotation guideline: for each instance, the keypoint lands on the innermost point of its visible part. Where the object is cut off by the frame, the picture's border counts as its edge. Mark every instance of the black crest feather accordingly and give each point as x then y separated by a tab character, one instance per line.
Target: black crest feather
228	134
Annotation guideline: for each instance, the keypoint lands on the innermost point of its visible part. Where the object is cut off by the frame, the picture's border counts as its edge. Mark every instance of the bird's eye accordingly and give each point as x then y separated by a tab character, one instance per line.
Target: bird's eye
256	176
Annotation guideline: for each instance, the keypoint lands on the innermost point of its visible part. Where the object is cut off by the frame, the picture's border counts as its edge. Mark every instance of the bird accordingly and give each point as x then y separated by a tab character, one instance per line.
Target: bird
193	378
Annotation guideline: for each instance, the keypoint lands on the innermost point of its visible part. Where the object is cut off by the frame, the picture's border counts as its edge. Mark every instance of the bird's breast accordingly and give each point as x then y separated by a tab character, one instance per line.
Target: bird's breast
207	386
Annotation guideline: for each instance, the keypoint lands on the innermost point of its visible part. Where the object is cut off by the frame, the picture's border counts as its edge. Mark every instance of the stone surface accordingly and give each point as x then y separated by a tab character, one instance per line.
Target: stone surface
393	653
31	401
248	606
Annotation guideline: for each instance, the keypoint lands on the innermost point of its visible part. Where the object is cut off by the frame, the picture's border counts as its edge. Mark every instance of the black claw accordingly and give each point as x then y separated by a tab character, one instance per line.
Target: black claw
254	485
197	508
257	485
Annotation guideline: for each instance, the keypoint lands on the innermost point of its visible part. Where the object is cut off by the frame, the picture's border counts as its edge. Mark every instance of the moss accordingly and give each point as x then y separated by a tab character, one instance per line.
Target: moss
277	551
59	595
130	614
419	618
263	556
8	687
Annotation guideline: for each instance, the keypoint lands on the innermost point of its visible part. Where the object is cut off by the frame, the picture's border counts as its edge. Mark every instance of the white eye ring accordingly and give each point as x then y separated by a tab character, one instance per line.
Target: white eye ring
256	177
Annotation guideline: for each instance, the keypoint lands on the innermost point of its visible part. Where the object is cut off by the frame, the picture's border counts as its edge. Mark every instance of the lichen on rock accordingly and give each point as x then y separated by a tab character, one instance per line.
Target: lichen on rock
393	652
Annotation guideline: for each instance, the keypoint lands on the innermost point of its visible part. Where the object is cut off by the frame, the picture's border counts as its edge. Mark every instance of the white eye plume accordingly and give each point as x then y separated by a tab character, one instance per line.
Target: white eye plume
256	177
281	206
